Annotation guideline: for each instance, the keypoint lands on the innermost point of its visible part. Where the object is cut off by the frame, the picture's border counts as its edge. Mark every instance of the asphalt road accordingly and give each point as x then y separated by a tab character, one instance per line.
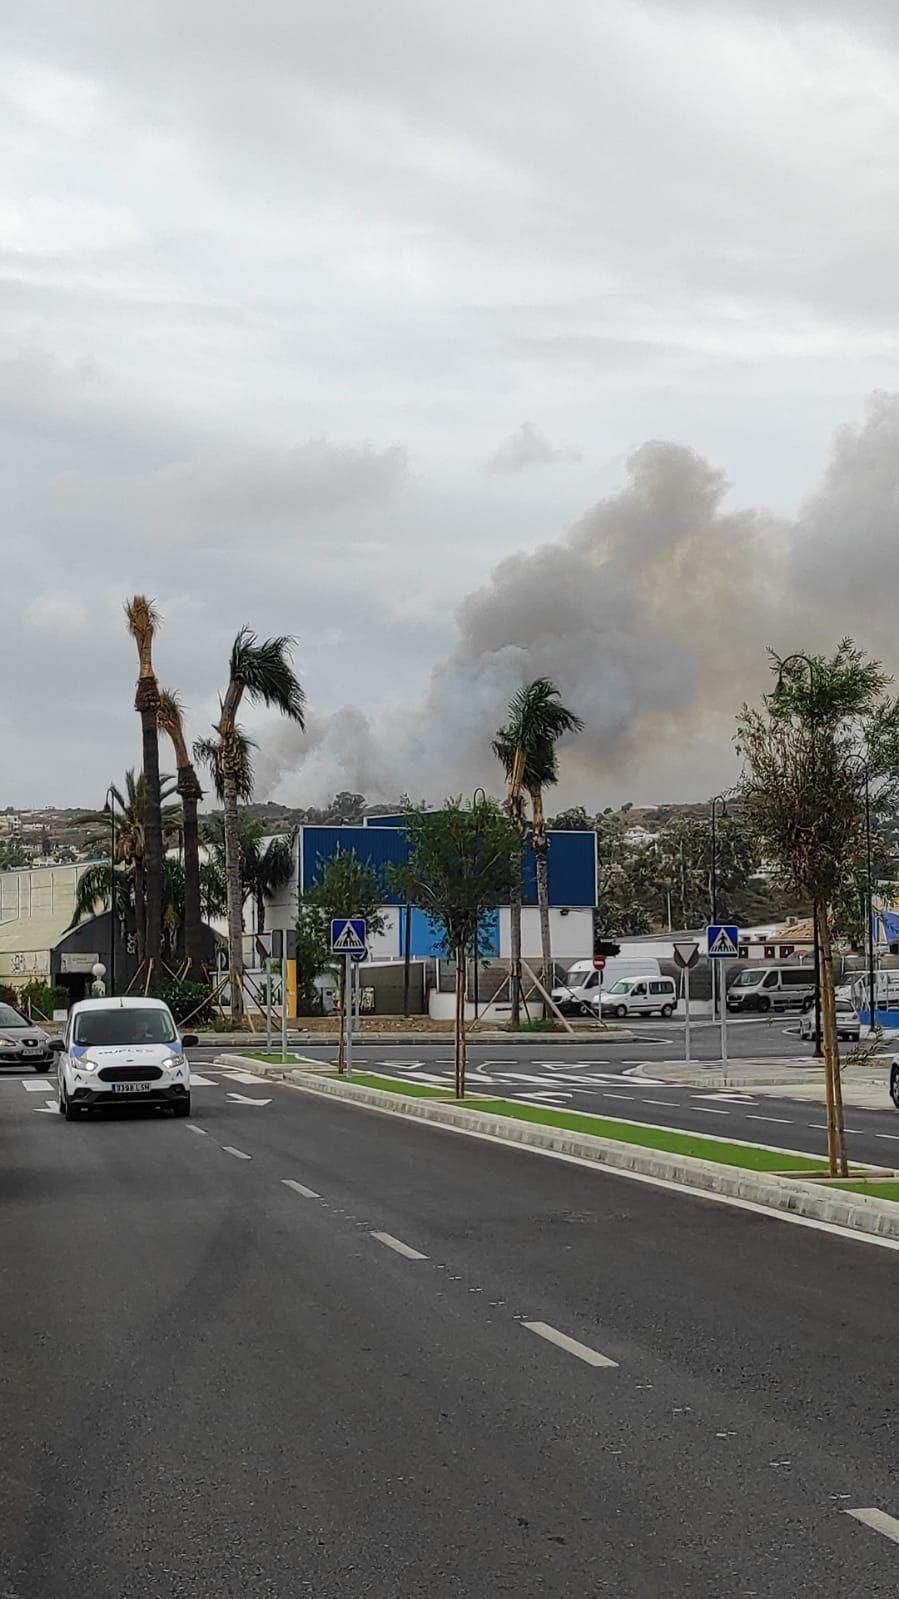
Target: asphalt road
215	1384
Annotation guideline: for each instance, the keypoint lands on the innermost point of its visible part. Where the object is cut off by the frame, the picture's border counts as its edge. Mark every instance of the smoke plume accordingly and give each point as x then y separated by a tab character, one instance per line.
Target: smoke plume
652	614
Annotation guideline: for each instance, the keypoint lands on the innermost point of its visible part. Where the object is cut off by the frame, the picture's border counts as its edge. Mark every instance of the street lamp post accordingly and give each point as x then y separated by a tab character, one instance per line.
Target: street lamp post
479	797
109	805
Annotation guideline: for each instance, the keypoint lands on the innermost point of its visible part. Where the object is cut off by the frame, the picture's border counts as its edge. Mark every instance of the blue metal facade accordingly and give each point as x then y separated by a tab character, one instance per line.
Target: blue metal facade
571	862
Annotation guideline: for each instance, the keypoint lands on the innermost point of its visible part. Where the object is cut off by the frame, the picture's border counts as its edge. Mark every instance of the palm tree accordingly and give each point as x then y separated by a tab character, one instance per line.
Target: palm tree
143	620
130	855
526	748
171	720
92	893
262	870
264	672
272	870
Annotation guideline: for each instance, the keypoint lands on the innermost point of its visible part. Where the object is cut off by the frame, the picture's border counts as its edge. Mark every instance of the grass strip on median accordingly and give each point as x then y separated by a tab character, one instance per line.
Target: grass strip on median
668	1139
884	1190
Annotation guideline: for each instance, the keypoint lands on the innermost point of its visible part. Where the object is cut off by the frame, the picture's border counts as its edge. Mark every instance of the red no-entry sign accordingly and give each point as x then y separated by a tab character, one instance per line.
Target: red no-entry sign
599	963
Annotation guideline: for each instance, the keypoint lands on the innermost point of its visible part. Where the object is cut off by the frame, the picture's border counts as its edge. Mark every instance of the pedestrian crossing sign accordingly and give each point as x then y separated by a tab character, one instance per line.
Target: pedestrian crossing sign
723	941
349	937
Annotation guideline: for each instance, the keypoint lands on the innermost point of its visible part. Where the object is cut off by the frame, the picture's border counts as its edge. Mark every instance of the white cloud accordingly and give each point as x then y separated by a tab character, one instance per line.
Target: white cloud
529	447
58	616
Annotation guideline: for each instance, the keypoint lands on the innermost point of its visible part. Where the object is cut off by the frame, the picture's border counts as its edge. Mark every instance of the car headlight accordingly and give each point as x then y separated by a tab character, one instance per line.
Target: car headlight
85	1064
171	1061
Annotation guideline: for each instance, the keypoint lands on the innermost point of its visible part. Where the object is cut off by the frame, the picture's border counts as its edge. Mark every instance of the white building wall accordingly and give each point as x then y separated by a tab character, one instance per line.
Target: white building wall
571	933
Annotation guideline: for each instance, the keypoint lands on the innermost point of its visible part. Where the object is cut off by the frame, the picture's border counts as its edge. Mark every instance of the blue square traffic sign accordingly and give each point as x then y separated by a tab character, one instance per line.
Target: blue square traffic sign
723	940
349	936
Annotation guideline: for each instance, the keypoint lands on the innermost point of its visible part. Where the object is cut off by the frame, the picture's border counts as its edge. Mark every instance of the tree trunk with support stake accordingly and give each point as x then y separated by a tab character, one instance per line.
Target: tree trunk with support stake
459	1041
232	879
836	1127
515	943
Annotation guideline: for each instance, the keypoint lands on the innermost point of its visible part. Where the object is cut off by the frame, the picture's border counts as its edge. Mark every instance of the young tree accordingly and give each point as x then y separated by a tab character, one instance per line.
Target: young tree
526	749
264	673
313	956
462	863
171	721
143	620
346	886
826	730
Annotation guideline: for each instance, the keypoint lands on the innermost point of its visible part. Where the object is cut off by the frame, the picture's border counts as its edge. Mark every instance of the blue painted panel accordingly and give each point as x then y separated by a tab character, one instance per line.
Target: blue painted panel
380	847
425	940
396	820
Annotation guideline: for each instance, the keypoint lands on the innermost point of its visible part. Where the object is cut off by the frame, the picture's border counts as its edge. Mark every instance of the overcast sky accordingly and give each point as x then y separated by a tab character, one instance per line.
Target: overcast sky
314	315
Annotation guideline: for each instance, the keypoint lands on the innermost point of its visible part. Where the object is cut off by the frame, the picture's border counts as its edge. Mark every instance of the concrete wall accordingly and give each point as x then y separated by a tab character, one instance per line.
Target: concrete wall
571	933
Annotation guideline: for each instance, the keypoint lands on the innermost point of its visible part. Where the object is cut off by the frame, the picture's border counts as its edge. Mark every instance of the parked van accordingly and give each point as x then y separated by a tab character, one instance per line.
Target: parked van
580	992
640	996
772	988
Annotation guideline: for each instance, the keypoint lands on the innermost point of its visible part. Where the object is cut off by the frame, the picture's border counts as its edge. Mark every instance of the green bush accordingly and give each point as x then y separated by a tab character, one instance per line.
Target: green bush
187	1001
42	999
540	1024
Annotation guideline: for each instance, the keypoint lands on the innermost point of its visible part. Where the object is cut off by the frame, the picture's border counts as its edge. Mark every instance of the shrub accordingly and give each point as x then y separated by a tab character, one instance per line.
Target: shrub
187	1001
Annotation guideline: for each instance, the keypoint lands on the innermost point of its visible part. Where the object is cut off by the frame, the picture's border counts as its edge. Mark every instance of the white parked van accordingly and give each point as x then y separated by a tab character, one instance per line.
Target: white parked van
766	988
580	993
640	996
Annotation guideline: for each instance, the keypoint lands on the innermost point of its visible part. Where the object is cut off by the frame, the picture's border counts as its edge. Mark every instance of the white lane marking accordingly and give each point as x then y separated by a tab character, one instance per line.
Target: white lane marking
193	1128
707	1110
238	1076
893	1137
570	1345
777	1121
545	1094
878	1521
50	1107
300	1188
673	1102
399	1246
247	1099
607	1095
37	1085
197	1080
237	1153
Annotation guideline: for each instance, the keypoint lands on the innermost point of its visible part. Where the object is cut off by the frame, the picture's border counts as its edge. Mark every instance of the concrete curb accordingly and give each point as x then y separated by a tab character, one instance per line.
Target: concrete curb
876	1217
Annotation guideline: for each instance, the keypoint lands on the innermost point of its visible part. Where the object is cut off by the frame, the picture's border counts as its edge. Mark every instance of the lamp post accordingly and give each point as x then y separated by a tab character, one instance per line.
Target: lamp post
109	805
807	661
714	813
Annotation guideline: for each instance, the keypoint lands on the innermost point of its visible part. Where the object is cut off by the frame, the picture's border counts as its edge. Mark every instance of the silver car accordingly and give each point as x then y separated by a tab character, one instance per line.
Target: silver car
22	1043
848	1025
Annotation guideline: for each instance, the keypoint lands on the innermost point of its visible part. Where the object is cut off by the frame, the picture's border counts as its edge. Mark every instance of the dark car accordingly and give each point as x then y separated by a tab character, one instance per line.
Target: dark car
22	1043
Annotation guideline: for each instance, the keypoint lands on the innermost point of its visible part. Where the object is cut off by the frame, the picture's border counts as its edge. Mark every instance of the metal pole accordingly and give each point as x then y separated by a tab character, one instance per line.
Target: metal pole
687	1056
348	1013
268	1006
872	976
284	999
723	1009
407	956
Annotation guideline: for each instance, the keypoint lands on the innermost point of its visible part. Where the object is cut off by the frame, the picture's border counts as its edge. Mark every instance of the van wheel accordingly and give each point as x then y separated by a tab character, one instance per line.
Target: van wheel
72	1112
894	1086
667	1011
619	1011
586	1010
764	1003
181	1107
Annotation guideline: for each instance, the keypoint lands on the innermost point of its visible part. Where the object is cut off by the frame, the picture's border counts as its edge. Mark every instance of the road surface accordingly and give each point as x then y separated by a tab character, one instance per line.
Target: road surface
296	1348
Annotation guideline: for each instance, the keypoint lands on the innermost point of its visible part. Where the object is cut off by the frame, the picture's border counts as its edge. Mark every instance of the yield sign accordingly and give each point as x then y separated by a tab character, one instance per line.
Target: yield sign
686	954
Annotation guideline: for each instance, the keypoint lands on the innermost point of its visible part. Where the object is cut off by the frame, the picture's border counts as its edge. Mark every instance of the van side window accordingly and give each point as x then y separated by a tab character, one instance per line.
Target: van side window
772	980
592	979
639	989
658	988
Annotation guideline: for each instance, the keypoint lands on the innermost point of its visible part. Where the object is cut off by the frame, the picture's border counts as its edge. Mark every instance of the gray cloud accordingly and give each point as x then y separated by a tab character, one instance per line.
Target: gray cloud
529	447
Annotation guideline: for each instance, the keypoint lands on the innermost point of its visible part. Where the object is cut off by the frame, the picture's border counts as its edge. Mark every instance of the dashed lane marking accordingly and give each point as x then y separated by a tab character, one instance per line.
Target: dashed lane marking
878	1521
300	1188
238	1154
397	1244
592	1357
193	1128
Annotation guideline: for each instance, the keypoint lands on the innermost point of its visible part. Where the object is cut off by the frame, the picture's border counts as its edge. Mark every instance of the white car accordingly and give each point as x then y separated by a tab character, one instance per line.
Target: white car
848	1025
120	1052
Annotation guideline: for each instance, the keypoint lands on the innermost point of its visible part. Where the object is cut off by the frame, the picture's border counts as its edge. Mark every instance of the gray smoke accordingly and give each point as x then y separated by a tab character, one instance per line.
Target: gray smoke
652	614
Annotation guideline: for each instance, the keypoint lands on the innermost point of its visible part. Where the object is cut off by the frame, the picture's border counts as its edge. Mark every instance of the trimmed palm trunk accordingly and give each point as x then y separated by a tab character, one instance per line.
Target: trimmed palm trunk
541	853
459	1030
232	881
515	942
147	704
191	793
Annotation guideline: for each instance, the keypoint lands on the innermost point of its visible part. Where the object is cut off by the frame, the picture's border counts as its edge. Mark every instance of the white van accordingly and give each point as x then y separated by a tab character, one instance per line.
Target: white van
579	994
119	1052
640	996
766	988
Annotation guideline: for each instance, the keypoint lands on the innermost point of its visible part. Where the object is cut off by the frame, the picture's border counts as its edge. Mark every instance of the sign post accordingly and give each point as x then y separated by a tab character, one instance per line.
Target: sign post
264	951
599	965
349	938
723	943
686	955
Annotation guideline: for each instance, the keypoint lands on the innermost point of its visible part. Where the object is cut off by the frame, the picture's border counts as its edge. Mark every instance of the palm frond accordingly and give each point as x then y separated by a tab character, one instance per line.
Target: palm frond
265	671
208	753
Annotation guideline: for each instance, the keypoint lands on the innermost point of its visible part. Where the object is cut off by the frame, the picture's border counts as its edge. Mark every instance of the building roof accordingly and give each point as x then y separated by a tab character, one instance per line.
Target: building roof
26	933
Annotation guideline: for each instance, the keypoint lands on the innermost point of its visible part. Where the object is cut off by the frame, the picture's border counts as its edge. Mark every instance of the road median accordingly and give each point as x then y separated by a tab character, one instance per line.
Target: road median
778	1180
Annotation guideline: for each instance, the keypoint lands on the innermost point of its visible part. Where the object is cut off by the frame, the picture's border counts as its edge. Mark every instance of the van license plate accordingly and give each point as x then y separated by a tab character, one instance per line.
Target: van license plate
131	1088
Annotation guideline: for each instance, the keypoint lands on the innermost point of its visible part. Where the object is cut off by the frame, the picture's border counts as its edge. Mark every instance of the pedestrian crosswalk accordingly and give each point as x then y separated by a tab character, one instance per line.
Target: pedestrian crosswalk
41	1088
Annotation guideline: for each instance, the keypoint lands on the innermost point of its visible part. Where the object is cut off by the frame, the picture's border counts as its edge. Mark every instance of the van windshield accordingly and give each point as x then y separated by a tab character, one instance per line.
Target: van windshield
623	985
747	980
126	1026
